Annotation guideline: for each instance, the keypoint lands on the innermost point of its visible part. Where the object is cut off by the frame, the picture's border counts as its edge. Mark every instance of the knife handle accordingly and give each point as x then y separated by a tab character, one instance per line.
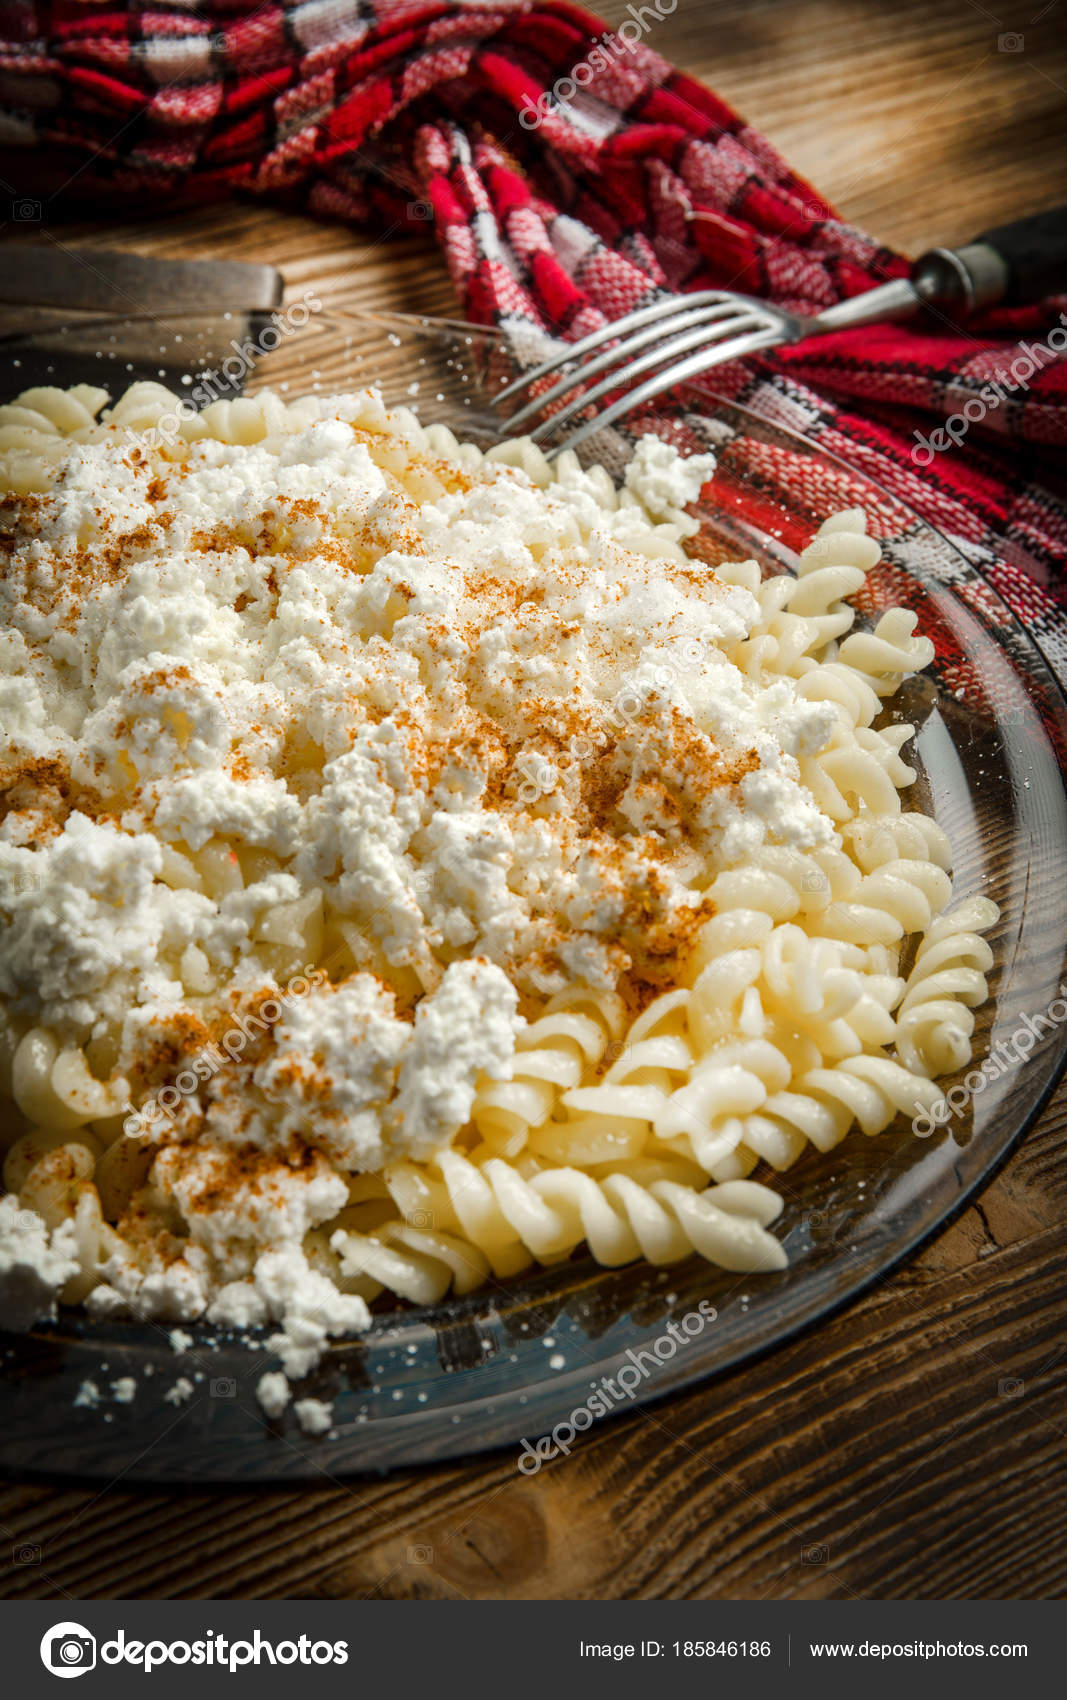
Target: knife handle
1012	265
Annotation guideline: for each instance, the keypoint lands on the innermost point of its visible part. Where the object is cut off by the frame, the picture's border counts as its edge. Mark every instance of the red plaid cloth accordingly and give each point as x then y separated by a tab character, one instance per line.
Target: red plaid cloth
563	216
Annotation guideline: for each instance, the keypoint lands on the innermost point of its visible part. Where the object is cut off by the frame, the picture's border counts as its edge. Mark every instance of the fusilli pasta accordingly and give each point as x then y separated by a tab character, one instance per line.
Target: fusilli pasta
817	978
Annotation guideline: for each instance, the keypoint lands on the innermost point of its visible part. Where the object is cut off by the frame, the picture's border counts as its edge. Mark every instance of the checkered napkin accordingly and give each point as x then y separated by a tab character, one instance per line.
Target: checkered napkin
571	174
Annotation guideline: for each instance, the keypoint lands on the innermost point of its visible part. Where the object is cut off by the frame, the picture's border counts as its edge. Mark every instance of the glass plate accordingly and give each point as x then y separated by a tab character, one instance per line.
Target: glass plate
512	1363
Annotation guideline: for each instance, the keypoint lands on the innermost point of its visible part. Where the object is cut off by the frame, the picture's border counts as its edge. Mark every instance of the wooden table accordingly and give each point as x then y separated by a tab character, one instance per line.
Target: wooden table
914	1446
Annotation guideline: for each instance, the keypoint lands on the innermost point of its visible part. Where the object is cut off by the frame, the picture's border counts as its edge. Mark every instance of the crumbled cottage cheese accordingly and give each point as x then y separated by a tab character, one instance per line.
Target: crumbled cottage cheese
267	707
272	1391
663	482
315	1416
35	1264
361	1082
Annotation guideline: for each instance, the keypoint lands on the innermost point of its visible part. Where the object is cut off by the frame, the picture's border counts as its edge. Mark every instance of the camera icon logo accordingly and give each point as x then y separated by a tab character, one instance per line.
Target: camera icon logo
68	1649
223	1387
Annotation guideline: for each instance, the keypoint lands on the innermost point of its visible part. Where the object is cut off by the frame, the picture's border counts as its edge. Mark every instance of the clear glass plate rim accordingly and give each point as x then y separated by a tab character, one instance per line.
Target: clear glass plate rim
672	1380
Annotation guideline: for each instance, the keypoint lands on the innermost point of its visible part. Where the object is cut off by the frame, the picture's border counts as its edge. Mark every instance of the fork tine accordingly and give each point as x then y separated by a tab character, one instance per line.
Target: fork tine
644	315
702	361
623	350
700	338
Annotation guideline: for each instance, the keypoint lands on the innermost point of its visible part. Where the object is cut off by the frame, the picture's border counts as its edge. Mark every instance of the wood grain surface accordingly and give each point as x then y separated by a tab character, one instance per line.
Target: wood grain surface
914	1445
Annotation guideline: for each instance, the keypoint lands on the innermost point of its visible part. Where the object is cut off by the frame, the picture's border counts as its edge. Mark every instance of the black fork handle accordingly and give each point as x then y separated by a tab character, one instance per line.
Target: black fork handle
1035	252
1013	265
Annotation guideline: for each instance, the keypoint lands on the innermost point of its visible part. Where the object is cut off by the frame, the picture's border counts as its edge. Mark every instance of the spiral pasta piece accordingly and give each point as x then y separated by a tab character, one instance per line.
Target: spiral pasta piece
935	1021
856	701
823	1103
511	1218
551	1055
417	1265
884	657
873	840
37	428
52	1172
53	1086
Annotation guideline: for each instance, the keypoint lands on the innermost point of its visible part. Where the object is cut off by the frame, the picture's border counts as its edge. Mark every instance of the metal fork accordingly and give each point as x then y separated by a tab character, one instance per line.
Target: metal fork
684	336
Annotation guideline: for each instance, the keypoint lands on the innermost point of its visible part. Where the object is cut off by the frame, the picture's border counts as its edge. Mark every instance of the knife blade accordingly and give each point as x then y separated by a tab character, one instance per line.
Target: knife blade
104	280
